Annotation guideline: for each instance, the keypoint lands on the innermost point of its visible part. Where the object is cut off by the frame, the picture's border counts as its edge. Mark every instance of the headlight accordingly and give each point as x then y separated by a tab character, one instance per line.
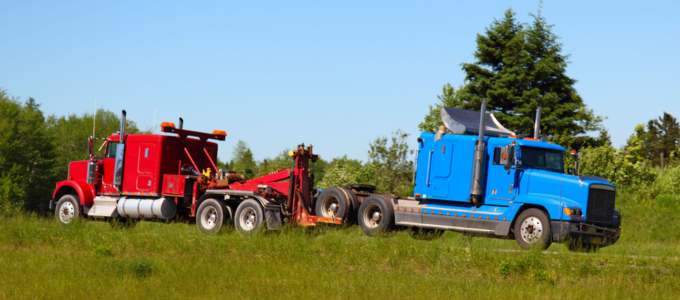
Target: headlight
572	211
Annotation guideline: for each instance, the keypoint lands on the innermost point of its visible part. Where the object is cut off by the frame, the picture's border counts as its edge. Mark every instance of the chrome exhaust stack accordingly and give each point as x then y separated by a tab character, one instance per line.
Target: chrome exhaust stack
537	124
120	154
477	189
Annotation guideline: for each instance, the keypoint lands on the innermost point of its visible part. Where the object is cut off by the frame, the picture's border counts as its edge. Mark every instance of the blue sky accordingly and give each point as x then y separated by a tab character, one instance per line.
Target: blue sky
334	74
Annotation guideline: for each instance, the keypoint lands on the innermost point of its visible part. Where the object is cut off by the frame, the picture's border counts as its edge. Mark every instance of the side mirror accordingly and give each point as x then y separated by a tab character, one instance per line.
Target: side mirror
574	169
508	157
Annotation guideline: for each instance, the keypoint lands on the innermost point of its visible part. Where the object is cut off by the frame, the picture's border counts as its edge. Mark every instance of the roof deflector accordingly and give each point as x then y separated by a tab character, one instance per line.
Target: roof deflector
461	121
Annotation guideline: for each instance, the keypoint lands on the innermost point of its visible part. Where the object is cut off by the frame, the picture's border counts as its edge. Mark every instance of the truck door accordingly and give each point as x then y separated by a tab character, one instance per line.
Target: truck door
107	169
500	184
440	173
146	166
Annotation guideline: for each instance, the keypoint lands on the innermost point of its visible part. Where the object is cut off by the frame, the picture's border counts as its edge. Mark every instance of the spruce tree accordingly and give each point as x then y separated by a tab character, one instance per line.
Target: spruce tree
518	68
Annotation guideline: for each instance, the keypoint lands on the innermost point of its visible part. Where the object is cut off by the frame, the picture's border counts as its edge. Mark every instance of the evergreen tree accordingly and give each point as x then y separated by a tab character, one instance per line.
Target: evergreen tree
518	68
433	120
27	156
243	161
663	139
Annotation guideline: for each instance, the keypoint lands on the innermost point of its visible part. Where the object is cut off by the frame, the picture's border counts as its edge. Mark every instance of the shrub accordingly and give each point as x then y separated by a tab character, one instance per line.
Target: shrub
607	162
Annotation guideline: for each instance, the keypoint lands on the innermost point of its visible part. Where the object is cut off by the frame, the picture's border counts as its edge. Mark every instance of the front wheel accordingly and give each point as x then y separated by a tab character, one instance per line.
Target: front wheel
532	229
249	217
67	209
375	216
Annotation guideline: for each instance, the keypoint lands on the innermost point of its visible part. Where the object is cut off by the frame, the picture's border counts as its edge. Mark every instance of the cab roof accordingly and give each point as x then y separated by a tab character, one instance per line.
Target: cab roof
539	144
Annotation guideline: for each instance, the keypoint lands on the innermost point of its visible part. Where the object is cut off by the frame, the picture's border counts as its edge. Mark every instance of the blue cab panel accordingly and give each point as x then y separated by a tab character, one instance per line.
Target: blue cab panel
444	167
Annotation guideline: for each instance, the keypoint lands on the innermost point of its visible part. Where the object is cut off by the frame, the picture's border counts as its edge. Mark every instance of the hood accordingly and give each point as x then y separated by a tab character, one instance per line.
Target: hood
570	190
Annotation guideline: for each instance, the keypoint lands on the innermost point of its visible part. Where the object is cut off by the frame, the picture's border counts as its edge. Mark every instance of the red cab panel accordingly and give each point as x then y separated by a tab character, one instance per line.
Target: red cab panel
173	185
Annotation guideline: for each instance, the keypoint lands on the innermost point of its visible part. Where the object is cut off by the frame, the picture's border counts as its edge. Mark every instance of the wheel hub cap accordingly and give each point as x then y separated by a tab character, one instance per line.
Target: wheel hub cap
66	212
209	218
531	230
248	219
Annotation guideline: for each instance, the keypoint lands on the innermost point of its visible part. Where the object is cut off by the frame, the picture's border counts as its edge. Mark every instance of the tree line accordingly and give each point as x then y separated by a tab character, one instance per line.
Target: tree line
35	151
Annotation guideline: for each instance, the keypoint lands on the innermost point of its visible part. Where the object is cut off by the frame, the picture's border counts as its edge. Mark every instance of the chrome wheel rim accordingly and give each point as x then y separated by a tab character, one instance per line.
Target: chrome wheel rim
531	230
209	218
248	219
372	216
67	211
330	207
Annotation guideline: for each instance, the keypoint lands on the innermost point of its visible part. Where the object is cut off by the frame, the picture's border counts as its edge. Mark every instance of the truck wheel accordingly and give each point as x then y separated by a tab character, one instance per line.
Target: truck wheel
67	209
532	229
249	217
375	216
333	203
210	216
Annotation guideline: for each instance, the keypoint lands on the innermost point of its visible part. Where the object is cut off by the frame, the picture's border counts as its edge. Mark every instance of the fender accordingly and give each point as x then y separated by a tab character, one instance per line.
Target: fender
84	191
553	205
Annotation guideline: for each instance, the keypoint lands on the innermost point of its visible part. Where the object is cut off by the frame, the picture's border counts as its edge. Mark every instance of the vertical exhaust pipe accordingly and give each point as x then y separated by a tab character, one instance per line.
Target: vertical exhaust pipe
476	191
120	154
537	124
123	114
181	123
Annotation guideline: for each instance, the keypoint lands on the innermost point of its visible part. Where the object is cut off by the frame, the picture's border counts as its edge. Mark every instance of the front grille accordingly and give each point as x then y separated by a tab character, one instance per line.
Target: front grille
600	206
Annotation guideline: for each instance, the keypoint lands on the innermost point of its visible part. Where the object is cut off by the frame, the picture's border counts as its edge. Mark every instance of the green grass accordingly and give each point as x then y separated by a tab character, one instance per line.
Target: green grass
90	259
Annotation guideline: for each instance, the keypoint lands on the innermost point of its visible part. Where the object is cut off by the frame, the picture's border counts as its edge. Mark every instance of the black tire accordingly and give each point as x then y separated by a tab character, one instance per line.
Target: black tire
67	209
211	215
532	229
334	202
425	234
578	245
376	216
249	217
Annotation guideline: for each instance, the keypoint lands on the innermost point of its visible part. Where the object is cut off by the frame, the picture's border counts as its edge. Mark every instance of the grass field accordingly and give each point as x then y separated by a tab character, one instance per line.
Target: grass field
41	259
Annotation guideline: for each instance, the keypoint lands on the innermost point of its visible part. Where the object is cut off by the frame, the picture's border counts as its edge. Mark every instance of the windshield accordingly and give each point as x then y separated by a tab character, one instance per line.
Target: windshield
538	158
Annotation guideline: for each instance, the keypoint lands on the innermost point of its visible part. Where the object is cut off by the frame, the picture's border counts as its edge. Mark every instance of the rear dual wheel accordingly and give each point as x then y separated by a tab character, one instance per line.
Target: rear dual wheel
211	215
376	216
249	217
334	203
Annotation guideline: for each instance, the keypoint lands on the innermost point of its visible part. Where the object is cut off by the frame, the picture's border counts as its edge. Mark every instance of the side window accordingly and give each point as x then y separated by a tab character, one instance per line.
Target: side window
502	154
497	156
111	150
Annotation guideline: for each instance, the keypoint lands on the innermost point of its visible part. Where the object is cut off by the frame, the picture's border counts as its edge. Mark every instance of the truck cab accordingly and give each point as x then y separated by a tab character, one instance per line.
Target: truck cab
485	180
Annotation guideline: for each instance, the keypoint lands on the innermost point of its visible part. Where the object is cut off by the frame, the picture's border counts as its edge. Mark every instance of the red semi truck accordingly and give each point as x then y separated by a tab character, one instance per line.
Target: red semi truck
174	175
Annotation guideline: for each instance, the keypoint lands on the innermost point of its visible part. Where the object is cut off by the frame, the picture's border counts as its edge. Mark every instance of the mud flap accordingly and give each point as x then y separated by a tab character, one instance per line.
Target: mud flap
272	216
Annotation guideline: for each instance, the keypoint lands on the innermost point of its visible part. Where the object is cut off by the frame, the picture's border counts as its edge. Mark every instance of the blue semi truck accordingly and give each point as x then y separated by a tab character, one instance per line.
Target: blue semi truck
477	177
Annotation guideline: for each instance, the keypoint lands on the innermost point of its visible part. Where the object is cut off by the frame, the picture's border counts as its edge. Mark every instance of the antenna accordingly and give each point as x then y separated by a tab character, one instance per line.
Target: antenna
94	120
